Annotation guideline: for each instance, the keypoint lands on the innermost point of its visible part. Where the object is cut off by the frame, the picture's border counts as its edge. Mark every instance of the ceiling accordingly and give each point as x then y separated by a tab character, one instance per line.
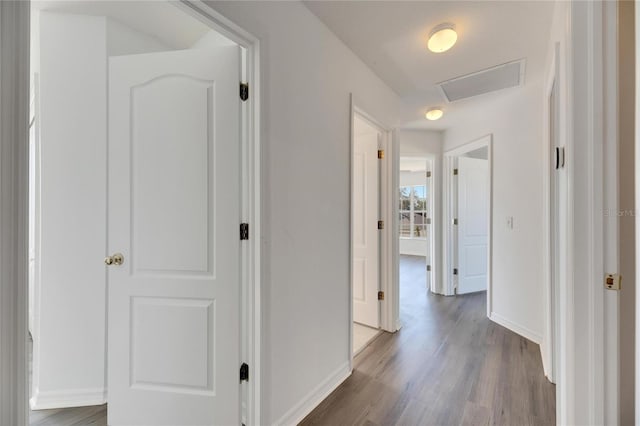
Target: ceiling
158	19
391	37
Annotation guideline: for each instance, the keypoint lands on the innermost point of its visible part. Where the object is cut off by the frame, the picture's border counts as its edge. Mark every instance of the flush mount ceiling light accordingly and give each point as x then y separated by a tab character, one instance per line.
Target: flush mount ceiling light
434	114
442	38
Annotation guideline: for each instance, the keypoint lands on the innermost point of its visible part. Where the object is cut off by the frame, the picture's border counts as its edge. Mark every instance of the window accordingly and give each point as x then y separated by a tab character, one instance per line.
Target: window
413	211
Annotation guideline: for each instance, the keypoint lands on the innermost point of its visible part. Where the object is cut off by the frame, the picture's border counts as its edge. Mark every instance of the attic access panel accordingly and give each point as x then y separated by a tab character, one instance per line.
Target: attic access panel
489	80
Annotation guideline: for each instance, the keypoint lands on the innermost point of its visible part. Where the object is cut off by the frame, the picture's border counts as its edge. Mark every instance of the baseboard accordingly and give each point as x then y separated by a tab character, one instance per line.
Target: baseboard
546	363
516	328
545	367
315	397
67	398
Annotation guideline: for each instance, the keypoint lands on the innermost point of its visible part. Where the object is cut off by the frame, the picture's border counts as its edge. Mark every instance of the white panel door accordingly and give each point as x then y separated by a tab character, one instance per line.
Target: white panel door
365	234
473	213
174	213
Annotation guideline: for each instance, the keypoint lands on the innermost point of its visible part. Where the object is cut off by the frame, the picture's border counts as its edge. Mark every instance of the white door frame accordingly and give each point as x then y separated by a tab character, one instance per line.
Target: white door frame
449	240
548	344
385	306
433	182
14	117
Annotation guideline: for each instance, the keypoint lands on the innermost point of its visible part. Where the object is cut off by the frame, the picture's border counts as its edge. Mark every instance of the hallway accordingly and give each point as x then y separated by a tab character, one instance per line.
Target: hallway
448	365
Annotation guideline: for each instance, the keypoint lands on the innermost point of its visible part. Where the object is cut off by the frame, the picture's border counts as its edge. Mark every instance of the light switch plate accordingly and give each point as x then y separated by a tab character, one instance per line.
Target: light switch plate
613	281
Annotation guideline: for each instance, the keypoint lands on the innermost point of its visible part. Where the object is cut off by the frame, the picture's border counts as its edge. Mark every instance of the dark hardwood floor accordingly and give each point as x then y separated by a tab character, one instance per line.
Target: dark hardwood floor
448	365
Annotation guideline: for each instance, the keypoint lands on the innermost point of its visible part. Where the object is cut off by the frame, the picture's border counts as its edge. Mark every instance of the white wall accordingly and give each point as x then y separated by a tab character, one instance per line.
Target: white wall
515	121
69	353
418	143
307	77
212	39
122	40
70	286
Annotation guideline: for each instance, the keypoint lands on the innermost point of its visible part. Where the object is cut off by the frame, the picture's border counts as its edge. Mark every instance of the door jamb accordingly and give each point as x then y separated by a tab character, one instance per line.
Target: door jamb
250	210
448	243
386	306
548	345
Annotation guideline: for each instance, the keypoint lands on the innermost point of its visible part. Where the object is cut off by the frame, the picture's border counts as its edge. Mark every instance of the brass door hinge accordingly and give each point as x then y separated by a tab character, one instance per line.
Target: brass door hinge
428	174
381	224
613	281
381	295
380	154
455	172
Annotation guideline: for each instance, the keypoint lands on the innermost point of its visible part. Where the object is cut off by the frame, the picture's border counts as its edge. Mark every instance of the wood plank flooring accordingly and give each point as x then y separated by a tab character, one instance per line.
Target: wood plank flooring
448	365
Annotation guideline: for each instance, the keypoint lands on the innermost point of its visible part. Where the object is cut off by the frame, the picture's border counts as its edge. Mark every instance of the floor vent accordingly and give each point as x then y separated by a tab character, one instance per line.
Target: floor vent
492	79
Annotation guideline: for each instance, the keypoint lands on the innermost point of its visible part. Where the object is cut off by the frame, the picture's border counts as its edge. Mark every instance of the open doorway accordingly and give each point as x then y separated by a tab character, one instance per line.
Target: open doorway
368	153
135	114
415	229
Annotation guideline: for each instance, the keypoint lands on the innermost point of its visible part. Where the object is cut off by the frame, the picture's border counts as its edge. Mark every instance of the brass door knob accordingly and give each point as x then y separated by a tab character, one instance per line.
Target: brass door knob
116	259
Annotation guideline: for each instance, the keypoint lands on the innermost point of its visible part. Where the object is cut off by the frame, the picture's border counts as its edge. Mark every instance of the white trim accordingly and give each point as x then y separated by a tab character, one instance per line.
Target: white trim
393	302
545	367
435	284
565	411
14	184
610	194
585	399
310	401
588	177
637	208
516	328
449	236
550	294
352	117
68	398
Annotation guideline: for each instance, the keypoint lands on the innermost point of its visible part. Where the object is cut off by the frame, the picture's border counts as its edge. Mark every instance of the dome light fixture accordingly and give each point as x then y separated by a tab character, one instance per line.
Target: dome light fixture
442	38
434	114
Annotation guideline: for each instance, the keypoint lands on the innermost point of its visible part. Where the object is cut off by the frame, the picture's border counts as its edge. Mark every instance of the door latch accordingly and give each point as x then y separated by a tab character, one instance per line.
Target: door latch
116	259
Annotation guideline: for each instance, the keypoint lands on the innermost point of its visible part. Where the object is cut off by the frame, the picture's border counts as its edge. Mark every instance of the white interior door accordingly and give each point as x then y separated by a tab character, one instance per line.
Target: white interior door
174	210
473	211
366	240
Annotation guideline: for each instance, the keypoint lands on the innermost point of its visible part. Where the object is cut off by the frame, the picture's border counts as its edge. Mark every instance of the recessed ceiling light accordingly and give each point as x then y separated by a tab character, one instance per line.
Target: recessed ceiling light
434	114
442	38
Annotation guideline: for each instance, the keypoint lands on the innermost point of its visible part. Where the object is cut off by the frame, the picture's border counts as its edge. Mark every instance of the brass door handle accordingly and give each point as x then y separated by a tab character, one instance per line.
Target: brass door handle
116	259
